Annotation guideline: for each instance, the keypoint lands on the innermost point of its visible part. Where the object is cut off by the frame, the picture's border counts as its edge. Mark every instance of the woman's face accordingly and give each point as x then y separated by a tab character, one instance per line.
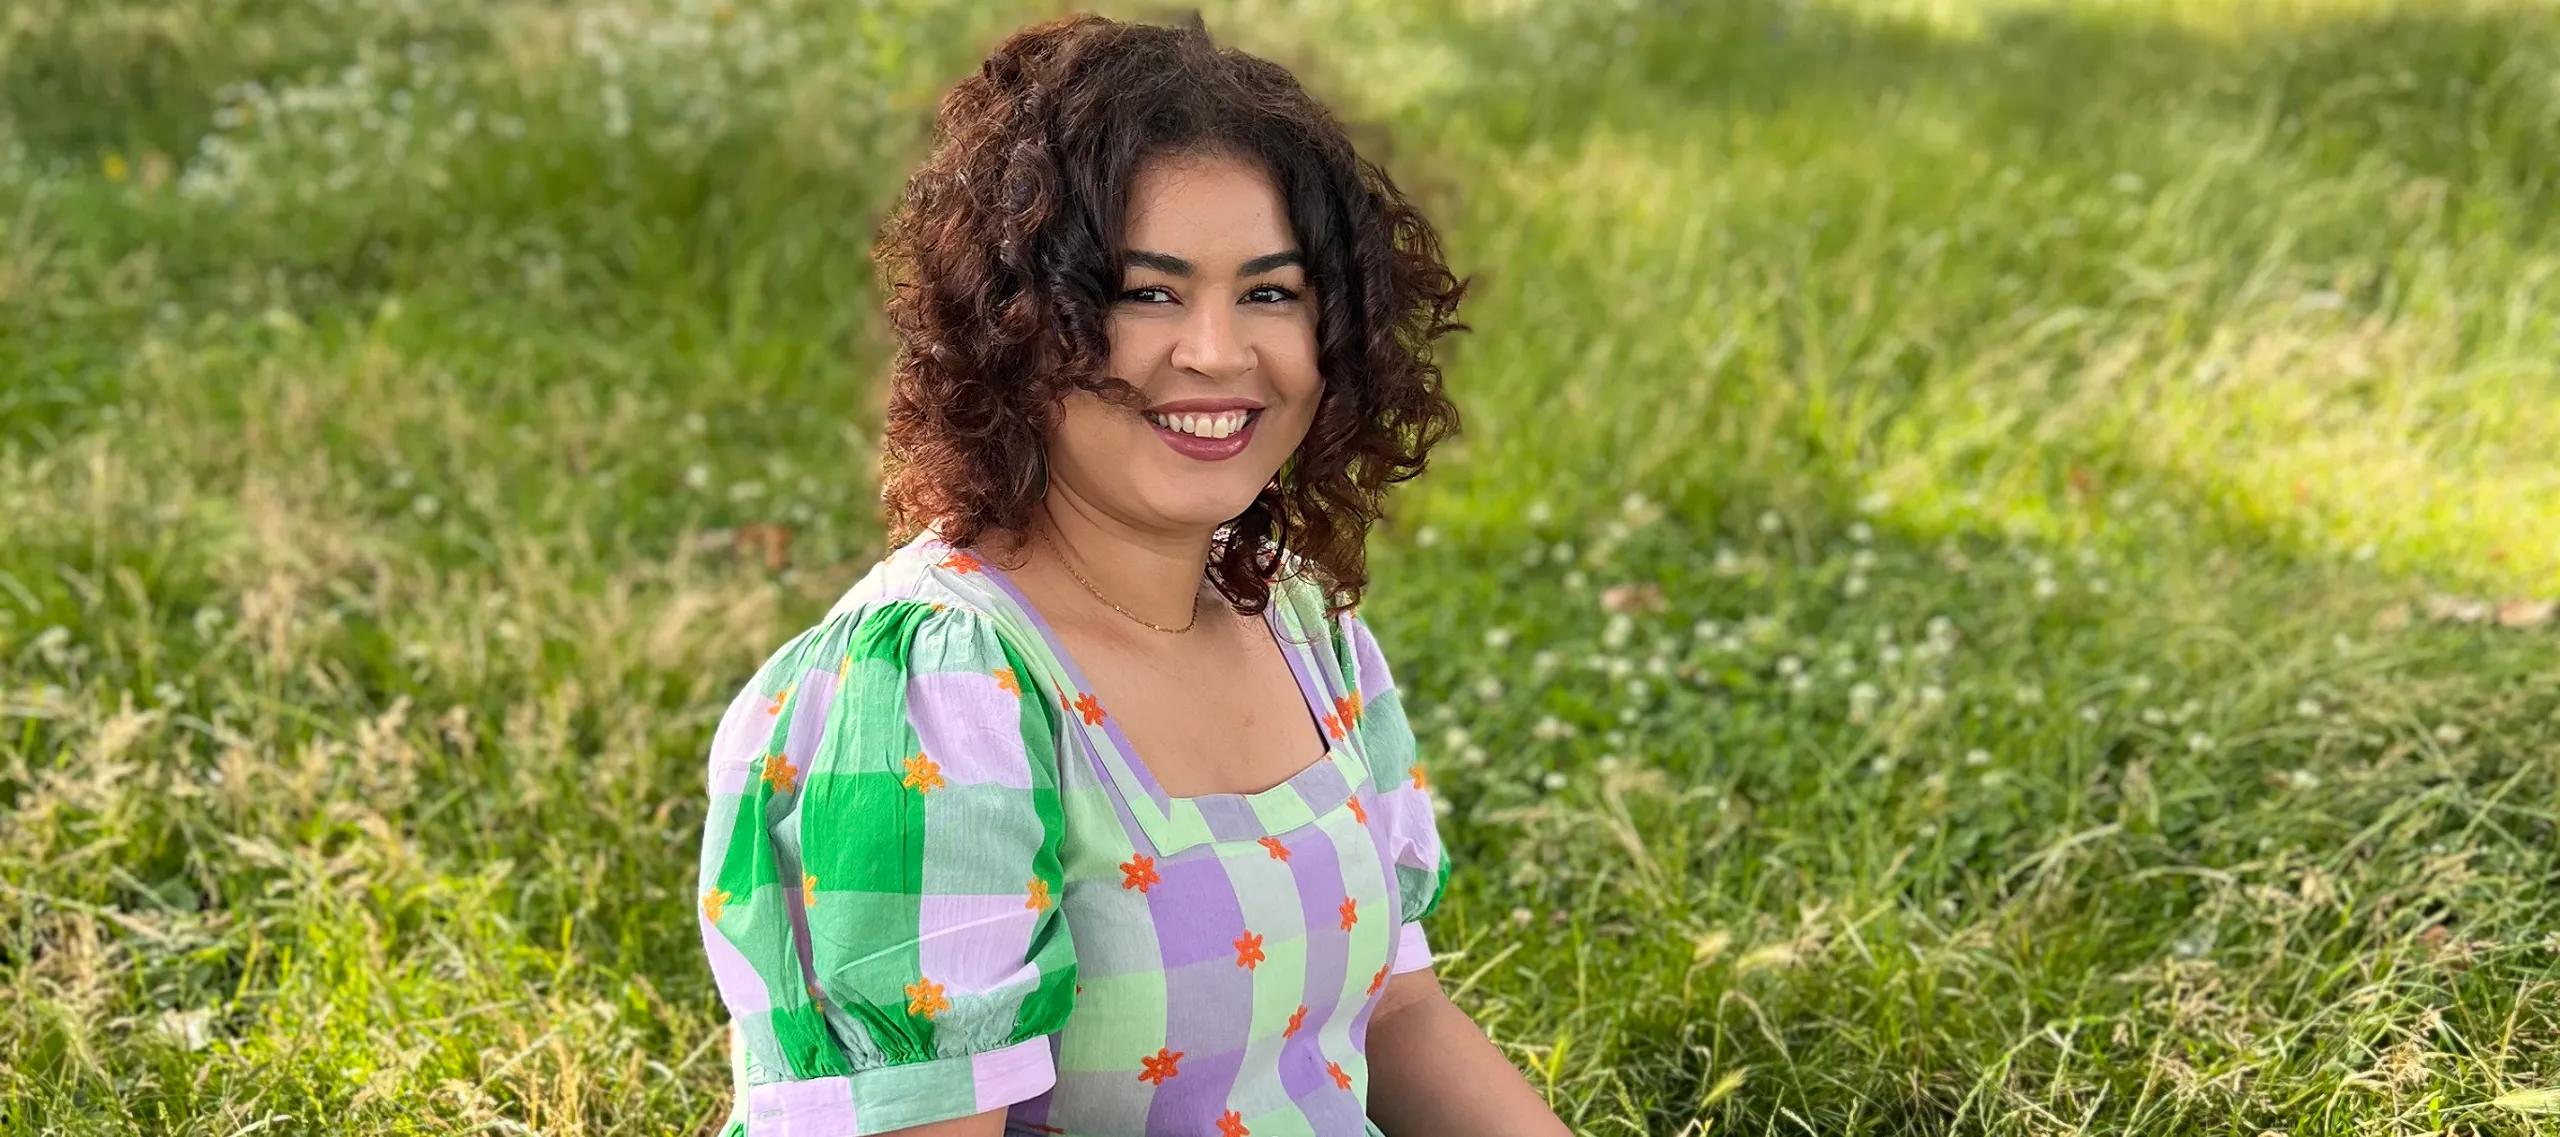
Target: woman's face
1214	323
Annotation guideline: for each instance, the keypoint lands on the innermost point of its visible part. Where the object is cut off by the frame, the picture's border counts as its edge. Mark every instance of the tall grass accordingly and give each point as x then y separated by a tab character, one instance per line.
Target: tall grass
1990	583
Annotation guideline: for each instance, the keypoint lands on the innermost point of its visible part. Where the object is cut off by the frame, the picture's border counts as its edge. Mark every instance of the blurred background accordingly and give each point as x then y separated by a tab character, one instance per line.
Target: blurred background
1998	577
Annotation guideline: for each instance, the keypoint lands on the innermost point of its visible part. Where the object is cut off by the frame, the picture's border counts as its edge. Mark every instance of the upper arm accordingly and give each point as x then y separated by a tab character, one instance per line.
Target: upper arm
1406	801
887	935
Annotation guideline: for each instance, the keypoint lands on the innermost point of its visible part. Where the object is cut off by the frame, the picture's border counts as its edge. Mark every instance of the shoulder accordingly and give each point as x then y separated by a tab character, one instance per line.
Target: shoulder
912	610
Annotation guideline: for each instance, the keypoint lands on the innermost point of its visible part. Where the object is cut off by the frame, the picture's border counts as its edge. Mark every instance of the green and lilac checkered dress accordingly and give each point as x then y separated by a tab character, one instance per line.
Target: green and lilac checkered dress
936	881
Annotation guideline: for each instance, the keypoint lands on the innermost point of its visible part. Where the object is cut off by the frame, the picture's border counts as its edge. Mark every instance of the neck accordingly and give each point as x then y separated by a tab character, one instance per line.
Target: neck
1155	575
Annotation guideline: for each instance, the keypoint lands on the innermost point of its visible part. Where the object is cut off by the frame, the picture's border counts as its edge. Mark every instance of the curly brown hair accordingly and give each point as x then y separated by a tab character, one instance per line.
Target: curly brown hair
1003	257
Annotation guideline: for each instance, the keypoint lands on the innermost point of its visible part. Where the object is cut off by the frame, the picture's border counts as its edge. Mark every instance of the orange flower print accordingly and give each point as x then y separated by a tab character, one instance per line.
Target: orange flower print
809	890
1231	1124
1350	913
1279	852
1089	707
924	997
1357	813
1006	679
781	774
1333	725
1340	1080
922	775
1296	1019
1419	782
1141	870
778	698
713	902
961	562
1248	950
1348	707
1160	1066
1378	980
1039	901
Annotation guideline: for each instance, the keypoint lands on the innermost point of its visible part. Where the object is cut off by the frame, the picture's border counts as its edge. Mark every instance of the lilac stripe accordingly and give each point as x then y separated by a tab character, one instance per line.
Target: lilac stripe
810	702
1413	950
1315	871
1035	1111
1230	817
1197	917
1012	1074
740	986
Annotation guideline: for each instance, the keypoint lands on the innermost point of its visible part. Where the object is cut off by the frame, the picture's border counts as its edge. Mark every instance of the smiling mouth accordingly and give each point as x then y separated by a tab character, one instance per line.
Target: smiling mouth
1215	424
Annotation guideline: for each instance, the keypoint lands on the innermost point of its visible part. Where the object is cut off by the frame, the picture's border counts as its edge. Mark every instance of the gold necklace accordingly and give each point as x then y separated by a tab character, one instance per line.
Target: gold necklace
1097	593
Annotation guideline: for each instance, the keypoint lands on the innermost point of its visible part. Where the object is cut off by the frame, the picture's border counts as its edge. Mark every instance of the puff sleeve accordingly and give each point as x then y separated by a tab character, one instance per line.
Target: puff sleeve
1404	794
879	877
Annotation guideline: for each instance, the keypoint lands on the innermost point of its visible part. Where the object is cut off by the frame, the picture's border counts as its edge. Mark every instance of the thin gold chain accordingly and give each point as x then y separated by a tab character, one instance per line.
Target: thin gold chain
1097	593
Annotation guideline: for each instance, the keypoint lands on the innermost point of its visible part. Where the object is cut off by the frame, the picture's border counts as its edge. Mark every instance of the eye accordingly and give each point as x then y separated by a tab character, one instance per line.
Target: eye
1280	295
1138	295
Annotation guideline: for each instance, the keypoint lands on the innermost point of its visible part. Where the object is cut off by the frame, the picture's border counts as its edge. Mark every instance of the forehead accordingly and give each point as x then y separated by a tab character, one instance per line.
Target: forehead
1206	205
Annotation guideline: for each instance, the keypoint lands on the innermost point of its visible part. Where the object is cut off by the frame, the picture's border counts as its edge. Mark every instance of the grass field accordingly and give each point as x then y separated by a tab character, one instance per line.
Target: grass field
1995	580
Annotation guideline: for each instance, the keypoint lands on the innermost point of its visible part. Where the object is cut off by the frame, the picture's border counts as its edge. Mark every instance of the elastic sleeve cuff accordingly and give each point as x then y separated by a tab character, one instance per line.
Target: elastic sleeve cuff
1413	953
895	1097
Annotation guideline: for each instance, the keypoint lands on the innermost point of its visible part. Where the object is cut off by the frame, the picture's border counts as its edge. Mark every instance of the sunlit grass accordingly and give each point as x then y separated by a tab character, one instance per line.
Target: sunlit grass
1992	582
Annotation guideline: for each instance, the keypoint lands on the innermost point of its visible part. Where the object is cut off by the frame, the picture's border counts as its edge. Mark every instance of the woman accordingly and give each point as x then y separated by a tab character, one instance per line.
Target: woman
1093	808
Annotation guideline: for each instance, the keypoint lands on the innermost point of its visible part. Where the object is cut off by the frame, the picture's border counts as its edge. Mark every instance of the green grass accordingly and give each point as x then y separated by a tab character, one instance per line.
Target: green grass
2060	432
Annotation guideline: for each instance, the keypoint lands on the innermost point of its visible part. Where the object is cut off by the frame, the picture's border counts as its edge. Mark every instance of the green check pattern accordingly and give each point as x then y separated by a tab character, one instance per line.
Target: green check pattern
937	881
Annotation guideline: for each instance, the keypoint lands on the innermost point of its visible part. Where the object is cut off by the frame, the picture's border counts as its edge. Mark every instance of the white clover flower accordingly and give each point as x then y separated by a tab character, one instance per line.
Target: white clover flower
1615	634
2154	716
1854	587
2030	695
1550	728
2449	734
1861	532
2200	742
1977	757
1889	655
1540	513
1426	537
1880	765
1863	559
1488	688
1455	738
1932	695
1497	637
1789	665
1554	780
1473	755
697	475
1769	521
1574	581
1534	555
1800	684
1705	629
2046	589
2091	713
1545	661
2308	708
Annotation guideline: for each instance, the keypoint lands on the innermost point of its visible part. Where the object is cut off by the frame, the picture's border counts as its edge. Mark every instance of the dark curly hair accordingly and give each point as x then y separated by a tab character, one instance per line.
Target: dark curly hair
1003	257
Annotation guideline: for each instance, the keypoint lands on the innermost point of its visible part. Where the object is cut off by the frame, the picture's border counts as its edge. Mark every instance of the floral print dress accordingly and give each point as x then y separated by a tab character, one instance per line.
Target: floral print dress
937	880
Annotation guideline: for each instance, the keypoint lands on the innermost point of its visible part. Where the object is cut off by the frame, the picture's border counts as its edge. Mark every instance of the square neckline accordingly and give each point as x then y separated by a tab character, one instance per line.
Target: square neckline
1173	823
1309	684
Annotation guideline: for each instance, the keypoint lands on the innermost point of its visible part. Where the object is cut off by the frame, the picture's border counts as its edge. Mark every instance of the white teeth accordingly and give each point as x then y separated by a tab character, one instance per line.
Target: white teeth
1218	425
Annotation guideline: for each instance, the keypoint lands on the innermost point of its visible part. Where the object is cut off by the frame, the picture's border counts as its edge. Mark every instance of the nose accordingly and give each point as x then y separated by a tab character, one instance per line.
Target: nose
1208	343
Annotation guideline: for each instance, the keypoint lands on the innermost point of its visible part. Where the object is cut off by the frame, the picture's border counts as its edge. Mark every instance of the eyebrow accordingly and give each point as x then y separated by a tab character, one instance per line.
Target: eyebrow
1176	266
